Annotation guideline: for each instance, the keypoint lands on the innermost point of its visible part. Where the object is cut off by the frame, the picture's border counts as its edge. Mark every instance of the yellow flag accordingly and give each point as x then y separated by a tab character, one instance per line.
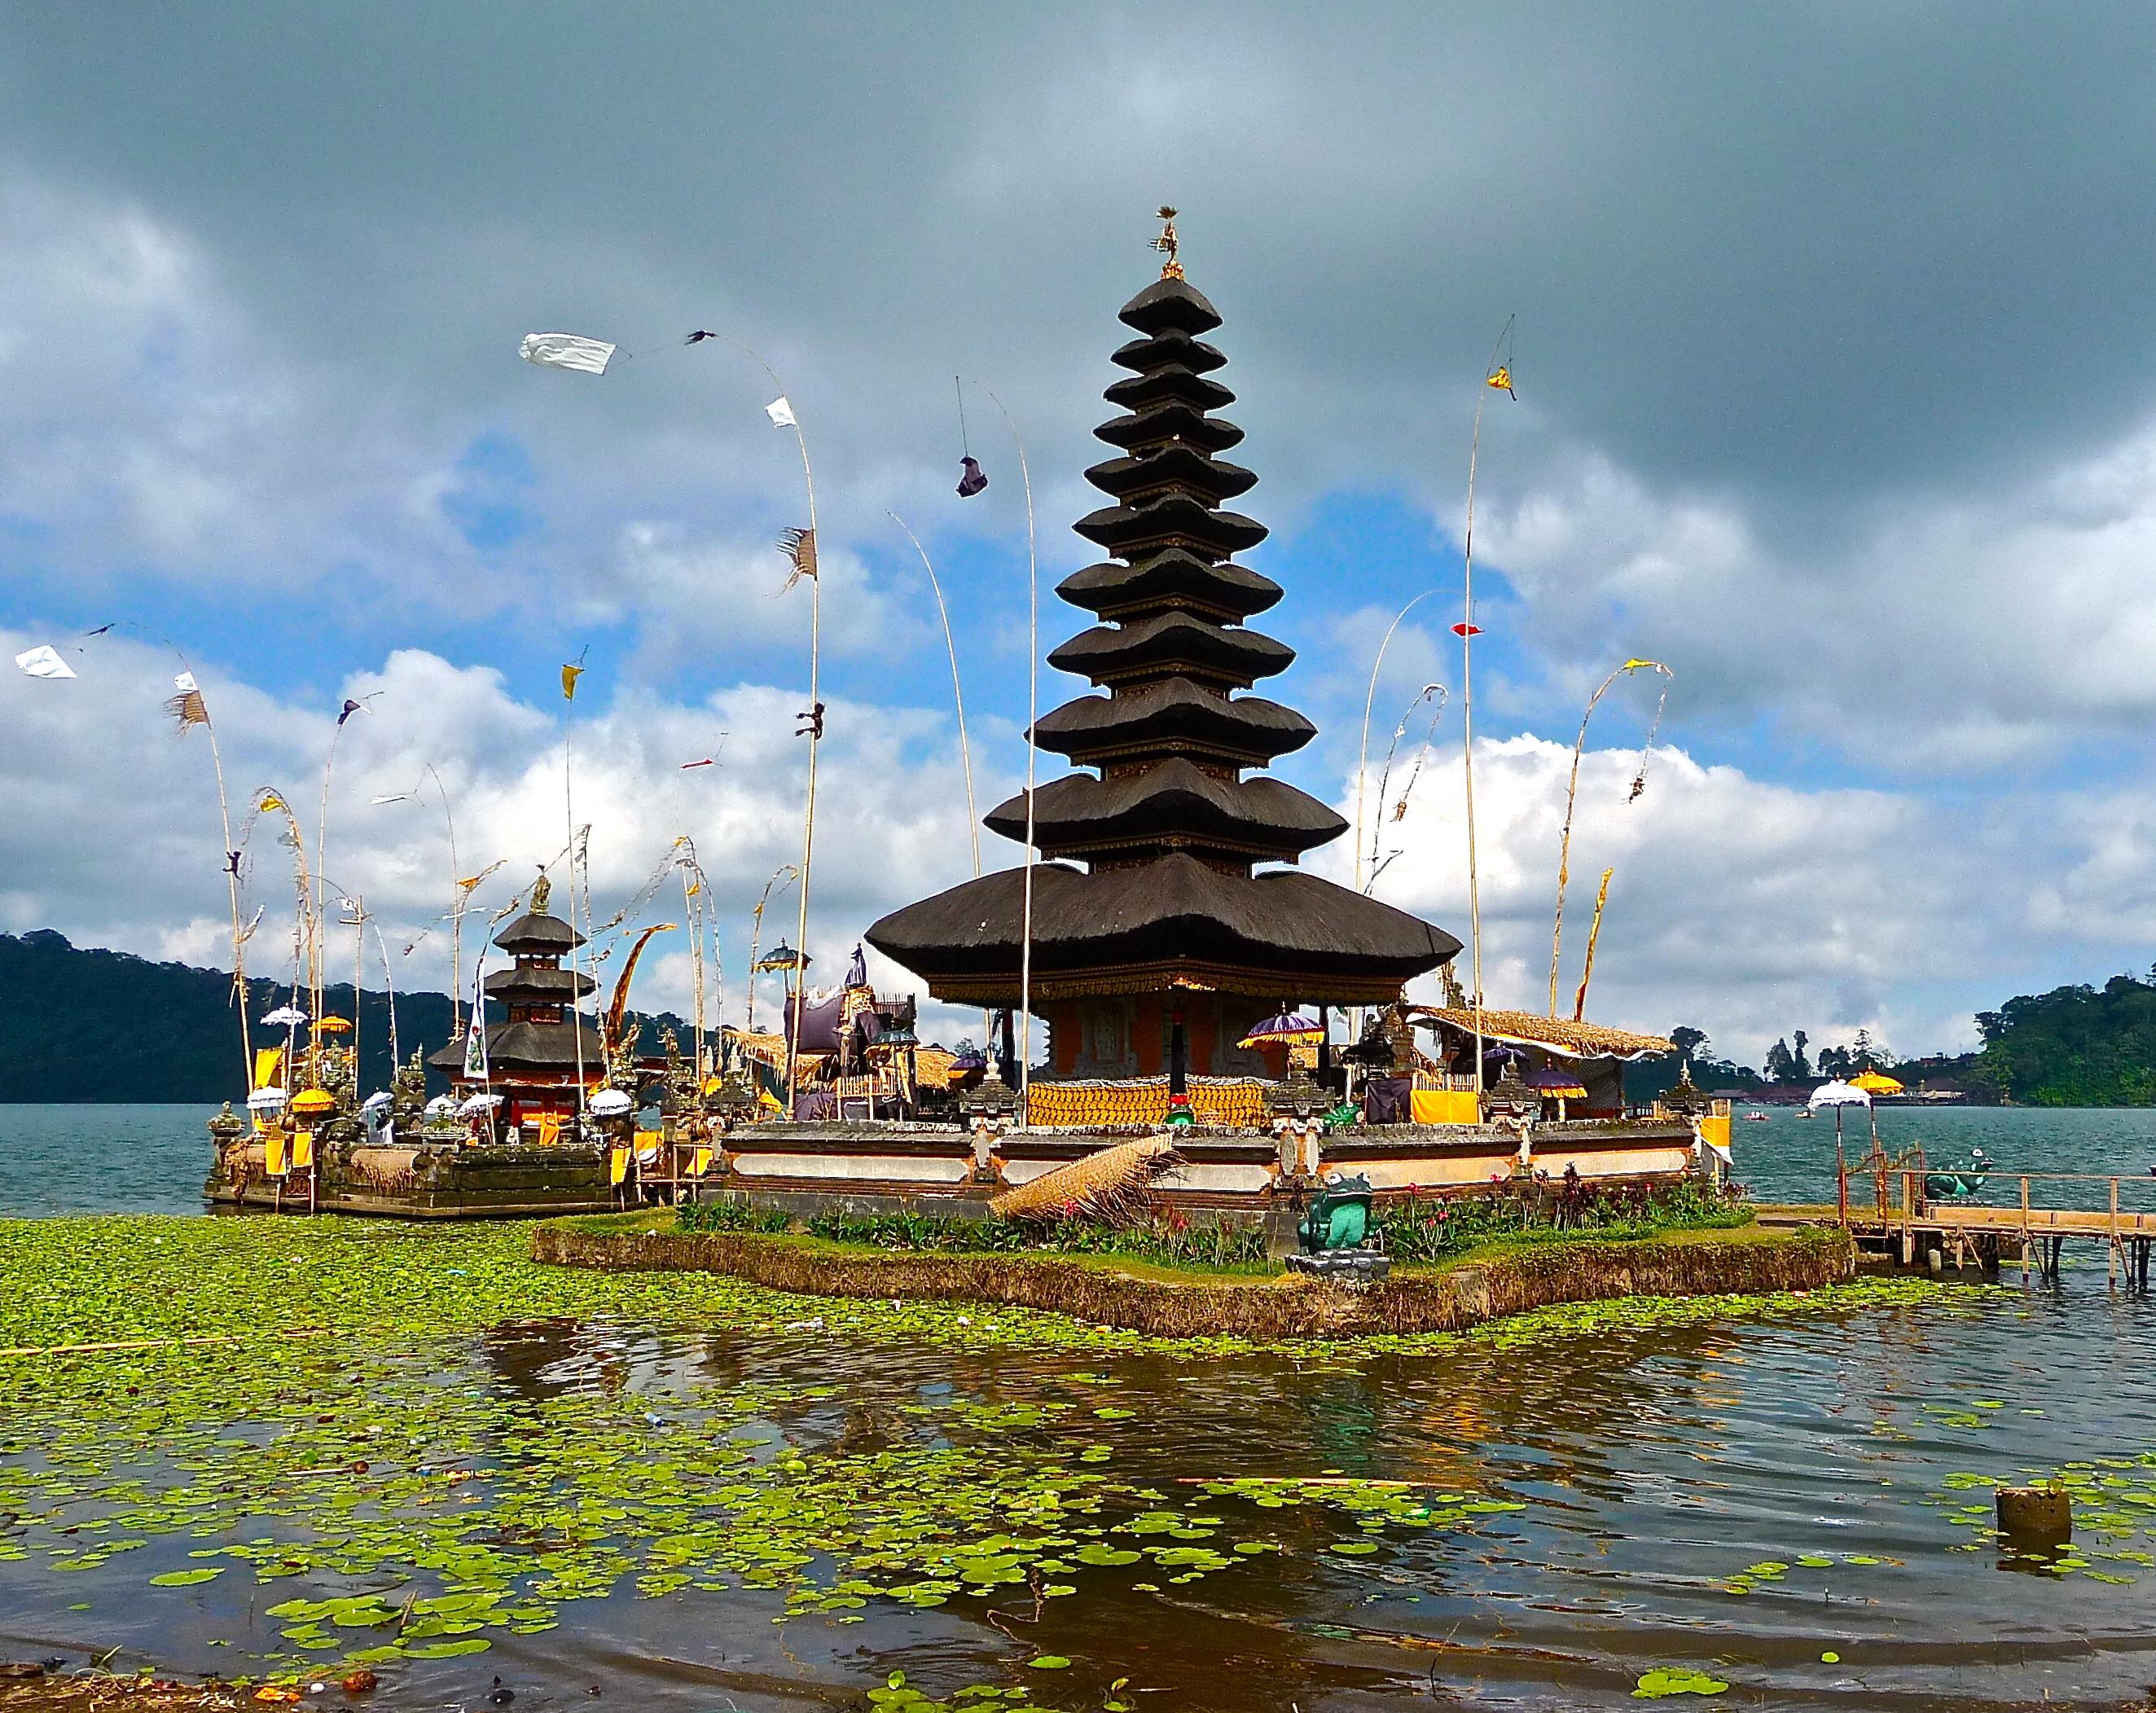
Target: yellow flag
1501	379
270	804
1633	665
570	675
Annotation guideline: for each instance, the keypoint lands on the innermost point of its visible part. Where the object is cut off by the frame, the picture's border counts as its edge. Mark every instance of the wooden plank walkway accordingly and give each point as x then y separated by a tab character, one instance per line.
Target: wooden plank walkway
1896	1208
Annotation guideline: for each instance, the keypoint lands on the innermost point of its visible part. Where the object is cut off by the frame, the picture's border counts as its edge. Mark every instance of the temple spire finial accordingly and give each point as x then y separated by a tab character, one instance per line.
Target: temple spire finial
1168	244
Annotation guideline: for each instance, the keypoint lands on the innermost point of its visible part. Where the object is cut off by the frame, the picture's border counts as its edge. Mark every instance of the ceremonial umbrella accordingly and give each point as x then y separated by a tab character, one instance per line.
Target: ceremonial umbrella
1558	1085
611	1103
1838	1095
308	1102
1873	1082
333	1026
284	1016
265	1100
782	957
1288	1028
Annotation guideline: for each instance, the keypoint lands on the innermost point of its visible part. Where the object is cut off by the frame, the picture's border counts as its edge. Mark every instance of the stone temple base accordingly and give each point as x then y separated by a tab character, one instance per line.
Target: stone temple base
424	1181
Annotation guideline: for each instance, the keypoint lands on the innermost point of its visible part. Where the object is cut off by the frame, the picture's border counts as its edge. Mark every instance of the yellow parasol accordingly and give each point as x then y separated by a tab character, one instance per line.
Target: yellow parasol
310	1101
332	1026
1873	1082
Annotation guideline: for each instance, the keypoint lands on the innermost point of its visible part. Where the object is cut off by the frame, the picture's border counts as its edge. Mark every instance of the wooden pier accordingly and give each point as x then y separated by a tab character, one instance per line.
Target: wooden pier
1885	1204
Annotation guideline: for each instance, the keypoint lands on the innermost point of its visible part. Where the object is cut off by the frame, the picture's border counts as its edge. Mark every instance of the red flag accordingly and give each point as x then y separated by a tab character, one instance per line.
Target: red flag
708	761
1467	630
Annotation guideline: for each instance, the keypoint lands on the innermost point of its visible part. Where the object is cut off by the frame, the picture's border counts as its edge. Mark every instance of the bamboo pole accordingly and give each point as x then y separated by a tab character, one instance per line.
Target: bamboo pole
1032	756
1572	797
958	700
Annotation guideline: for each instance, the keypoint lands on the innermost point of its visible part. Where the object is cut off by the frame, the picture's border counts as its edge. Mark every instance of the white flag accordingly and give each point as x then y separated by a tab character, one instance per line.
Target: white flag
185	683
781	413
44	661
566	351
475	1065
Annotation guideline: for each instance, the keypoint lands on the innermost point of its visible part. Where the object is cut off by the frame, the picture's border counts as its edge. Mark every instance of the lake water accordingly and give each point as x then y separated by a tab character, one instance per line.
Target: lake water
1739	1496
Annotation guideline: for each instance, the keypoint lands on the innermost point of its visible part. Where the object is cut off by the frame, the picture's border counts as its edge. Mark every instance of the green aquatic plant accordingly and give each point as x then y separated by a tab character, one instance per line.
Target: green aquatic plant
1675	1680
419	1441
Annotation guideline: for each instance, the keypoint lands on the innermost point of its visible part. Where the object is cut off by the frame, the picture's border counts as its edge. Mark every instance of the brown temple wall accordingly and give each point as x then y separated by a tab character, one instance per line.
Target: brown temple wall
1148	1031
1201	1023
1063	1035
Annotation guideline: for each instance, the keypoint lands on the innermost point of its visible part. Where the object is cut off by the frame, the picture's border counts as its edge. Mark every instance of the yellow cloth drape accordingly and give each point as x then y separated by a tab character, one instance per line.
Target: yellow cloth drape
617	1165
700	1162
268	1061
550	1129
1444	1106
303	1150
1716	1130
272	1153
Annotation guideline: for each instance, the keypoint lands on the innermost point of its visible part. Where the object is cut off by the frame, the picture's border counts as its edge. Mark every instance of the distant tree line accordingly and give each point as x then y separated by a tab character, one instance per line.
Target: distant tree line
78	1024
2077	1046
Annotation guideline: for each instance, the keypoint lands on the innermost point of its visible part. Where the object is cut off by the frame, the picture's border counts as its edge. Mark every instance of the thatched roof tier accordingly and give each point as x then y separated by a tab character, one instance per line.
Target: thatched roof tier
1172	803
1180	467
538	984
1172	716
1174	922
538	934
1169	422
1170	305
1554	1035
1164	644
1175	519
1161	349
1173	578
1171	384
530	1050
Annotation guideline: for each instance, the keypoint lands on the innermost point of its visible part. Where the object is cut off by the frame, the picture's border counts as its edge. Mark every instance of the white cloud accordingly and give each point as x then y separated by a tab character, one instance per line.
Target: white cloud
113	834
1971	633
1742	907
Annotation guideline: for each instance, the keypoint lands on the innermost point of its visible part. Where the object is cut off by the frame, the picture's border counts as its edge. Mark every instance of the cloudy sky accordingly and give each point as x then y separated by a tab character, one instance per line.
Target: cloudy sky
1837	393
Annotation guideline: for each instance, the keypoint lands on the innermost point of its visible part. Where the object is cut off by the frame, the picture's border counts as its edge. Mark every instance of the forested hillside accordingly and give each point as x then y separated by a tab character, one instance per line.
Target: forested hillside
2077	1046
78	1024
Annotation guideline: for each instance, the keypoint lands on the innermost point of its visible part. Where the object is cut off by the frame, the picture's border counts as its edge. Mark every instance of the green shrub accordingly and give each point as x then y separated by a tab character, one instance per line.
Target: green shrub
730	1213
1435	1227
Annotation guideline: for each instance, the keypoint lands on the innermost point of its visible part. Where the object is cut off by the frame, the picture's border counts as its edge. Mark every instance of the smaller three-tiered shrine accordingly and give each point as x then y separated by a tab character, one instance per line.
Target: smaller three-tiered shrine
535	1055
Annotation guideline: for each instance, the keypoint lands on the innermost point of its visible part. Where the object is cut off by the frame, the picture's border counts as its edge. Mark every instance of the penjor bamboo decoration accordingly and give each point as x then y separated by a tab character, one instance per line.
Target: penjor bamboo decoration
1593	934
1498	376
1572	797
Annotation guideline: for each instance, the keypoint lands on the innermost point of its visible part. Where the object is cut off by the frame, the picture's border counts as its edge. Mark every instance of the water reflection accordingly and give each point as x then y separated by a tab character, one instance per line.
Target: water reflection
1739	1497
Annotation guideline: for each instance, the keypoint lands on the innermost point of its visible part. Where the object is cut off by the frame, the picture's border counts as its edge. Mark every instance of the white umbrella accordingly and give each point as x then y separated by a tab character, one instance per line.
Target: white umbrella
611	1103
441	1104
1838	1095
376	1102
478	1103
265	1100
284	1016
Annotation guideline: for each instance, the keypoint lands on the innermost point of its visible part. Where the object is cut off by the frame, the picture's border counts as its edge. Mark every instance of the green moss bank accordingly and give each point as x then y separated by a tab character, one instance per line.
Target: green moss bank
1482	1285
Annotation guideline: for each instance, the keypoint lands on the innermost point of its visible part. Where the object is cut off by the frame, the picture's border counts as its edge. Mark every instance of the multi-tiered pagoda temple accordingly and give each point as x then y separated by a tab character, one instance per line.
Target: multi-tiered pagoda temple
532	1056
1168	943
